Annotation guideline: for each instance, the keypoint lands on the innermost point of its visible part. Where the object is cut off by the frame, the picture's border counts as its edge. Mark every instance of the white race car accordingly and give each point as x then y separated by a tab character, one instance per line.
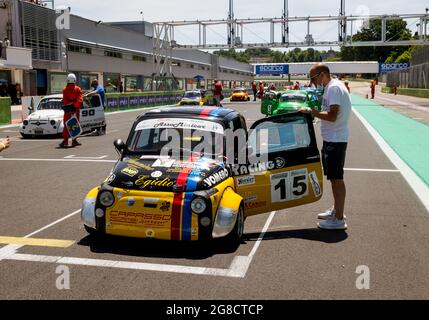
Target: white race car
47	120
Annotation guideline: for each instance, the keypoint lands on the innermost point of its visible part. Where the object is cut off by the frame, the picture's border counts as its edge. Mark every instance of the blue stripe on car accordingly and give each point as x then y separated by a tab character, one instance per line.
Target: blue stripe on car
191	186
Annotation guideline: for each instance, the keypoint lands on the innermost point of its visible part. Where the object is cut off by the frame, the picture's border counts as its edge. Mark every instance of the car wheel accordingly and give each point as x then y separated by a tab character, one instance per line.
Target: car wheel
101	130
234	237
25	136
92	231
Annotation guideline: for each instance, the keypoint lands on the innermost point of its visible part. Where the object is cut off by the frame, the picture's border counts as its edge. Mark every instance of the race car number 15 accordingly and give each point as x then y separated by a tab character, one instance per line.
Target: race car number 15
287	186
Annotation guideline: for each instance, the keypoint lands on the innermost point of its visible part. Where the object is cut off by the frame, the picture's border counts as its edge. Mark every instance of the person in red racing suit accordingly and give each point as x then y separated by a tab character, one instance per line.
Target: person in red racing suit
72	94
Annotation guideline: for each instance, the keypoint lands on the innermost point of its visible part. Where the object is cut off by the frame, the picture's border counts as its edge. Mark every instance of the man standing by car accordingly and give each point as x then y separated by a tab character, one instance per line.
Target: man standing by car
217	91
72	95
98	89
335	114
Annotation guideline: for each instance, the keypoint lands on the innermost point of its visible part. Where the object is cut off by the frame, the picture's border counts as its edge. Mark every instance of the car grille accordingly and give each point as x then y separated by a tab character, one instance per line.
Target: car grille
38	122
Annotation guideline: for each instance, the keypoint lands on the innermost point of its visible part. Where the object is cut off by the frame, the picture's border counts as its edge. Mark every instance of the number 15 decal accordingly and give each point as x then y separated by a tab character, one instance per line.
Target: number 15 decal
287	186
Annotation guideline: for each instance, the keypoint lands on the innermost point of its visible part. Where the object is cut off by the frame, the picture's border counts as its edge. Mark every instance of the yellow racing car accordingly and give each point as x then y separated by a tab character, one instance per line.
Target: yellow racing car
182	176
239	94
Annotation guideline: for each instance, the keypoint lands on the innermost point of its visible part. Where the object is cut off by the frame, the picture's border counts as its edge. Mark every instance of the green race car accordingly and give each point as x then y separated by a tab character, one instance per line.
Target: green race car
274	103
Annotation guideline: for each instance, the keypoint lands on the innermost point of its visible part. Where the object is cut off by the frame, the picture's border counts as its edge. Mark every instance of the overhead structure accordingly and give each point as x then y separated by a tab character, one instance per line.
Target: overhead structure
235	34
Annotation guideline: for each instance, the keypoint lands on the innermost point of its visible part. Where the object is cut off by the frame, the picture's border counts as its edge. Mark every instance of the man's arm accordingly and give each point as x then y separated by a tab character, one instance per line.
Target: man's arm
330	115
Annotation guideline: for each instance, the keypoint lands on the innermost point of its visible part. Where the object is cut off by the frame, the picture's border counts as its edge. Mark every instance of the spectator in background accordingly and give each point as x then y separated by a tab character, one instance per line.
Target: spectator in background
372	87
121	87
272	87
6	42
346	83
255	90
261	90
19	93
4	143
217	92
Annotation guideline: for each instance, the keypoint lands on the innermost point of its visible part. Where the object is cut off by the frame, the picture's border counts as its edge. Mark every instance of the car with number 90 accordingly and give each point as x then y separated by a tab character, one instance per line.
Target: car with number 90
47	118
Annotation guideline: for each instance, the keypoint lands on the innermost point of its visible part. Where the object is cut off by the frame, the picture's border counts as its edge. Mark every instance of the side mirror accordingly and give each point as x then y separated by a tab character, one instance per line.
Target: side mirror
119	145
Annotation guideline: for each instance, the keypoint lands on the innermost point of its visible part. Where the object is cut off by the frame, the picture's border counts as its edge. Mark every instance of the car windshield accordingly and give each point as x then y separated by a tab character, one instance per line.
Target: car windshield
50	104
239	91
177	138
192	94
294	97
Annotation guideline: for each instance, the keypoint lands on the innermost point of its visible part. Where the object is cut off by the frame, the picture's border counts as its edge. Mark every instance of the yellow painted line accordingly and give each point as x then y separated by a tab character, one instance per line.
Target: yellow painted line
37	242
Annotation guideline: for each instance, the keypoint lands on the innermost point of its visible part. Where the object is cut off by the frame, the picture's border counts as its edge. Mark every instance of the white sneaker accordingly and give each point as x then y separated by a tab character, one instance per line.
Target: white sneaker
333	224
328	214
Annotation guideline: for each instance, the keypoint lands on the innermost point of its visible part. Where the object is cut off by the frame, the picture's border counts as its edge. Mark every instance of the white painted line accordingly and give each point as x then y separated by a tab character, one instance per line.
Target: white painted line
52	224
83	158
418	186
106	114
371	170
237	269
58	160
10	250
241	264
119	264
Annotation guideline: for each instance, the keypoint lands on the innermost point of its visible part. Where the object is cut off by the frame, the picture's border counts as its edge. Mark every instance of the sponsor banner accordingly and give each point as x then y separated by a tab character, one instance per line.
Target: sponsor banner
134	101
123	101
393	66
112	102
179	123
272	69
143	100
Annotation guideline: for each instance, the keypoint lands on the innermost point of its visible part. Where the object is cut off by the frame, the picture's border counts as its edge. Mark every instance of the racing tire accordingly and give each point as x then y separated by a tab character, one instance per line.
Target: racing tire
233	239
92	232
25	136
101	130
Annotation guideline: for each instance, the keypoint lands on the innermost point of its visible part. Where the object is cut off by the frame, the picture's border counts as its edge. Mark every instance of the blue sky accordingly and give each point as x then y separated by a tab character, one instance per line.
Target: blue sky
165	10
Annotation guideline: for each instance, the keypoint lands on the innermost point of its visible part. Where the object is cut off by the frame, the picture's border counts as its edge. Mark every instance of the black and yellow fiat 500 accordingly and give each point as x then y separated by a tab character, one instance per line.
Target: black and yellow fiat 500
196	173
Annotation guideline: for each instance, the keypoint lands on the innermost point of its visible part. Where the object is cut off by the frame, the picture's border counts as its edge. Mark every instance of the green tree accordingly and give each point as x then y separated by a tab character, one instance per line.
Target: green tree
395	30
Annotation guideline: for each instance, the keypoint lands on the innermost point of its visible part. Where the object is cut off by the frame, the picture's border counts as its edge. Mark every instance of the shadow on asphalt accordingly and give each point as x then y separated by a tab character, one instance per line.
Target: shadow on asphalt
156	248
314	234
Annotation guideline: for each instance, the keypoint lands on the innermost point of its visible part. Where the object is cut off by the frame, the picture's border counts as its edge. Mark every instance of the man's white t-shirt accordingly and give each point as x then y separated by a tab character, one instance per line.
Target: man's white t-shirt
336	93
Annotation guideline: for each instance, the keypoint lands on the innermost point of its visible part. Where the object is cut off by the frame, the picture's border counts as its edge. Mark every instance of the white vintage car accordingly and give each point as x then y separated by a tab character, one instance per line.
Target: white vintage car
47	120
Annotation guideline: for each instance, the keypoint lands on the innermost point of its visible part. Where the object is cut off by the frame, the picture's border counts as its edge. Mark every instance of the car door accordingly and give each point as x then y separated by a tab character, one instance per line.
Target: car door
92	113
269	103
283	169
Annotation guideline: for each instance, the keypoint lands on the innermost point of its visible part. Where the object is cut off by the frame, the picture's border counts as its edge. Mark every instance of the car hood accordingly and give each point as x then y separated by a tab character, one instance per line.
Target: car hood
191	99
167	175
292	105
46	115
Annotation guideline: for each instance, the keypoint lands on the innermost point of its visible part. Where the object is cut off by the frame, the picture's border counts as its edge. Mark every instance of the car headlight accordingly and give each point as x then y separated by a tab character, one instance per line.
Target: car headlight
107	198
198	205
53	122
25	122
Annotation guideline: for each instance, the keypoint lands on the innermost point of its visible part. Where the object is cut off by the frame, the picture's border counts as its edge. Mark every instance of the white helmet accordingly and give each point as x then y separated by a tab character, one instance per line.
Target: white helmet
71	78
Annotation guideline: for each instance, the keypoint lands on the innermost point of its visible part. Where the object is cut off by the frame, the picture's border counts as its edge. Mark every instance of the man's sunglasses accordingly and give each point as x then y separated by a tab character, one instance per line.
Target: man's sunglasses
316	75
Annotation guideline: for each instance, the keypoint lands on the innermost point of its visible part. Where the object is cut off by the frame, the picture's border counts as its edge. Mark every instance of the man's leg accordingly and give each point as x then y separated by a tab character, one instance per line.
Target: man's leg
65	131
339	193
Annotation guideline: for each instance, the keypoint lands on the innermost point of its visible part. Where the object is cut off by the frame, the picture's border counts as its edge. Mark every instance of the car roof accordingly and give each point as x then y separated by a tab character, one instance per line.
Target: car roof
53	96
210	113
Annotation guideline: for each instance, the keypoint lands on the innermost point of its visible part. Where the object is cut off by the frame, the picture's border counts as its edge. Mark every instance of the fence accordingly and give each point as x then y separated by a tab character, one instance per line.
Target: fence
415	77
